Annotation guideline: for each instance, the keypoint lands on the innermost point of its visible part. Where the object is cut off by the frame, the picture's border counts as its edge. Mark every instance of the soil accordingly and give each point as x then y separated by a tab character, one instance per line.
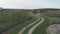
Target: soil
7	31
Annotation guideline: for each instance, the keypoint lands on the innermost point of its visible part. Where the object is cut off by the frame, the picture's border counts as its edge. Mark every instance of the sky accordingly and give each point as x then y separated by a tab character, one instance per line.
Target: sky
30	4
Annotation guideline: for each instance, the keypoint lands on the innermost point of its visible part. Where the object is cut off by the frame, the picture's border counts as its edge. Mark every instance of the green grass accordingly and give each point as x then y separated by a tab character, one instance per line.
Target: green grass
51	13
10	18
41	29
26	31
21	26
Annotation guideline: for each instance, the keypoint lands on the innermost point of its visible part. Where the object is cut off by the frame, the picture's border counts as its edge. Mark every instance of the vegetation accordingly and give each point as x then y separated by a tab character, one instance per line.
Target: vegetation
9	18
21	26
25	24
41	29
26	31
51	13
51	17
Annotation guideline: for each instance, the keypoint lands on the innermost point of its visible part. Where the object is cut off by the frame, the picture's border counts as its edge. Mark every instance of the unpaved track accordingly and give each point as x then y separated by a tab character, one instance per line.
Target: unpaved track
32	29
12	28
28	26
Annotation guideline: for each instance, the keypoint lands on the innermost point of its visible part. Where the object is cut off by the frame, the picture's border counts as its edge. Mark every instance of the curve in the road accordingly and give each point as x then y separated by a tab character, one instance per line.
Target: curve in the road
28	26
32	29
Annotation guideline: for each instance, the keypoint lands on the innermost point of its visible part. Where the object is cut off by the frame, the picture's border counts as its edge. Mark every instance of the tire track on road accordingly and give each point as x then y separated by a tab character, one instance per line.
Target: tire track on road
28	26
32	29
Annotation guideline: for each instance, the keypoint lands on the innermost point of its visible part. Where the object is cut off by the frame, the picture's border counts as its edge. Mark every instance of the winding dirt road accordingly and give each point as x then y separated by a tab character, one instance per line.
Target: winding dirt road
28	26
21	31
32	29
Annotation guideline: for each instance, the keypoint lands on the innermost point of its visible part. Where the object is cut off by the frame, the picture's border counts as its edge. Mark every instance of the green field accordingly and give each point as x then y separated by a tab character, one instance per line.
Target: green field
11	18
26	31
24	25
51	13
21	26
51	17
41	29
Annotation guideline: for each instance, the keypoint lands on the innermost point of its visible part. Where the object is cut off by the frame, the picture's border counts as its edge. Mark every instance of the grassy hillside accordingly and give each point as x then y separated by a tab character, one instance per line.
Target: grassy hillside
51	13
41	29
9	18
52	17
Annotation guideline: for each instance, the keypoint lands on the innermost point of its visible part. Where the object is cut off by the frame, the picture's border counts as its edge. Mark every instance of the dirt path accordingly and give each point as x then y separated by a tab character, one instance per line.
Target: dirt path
12	28
28	26
32	29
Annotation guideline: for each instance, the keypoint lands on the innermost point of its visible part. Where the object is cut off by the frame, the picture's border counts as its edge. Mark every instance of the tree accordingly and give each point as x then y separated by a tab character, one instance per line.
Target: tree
1	9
